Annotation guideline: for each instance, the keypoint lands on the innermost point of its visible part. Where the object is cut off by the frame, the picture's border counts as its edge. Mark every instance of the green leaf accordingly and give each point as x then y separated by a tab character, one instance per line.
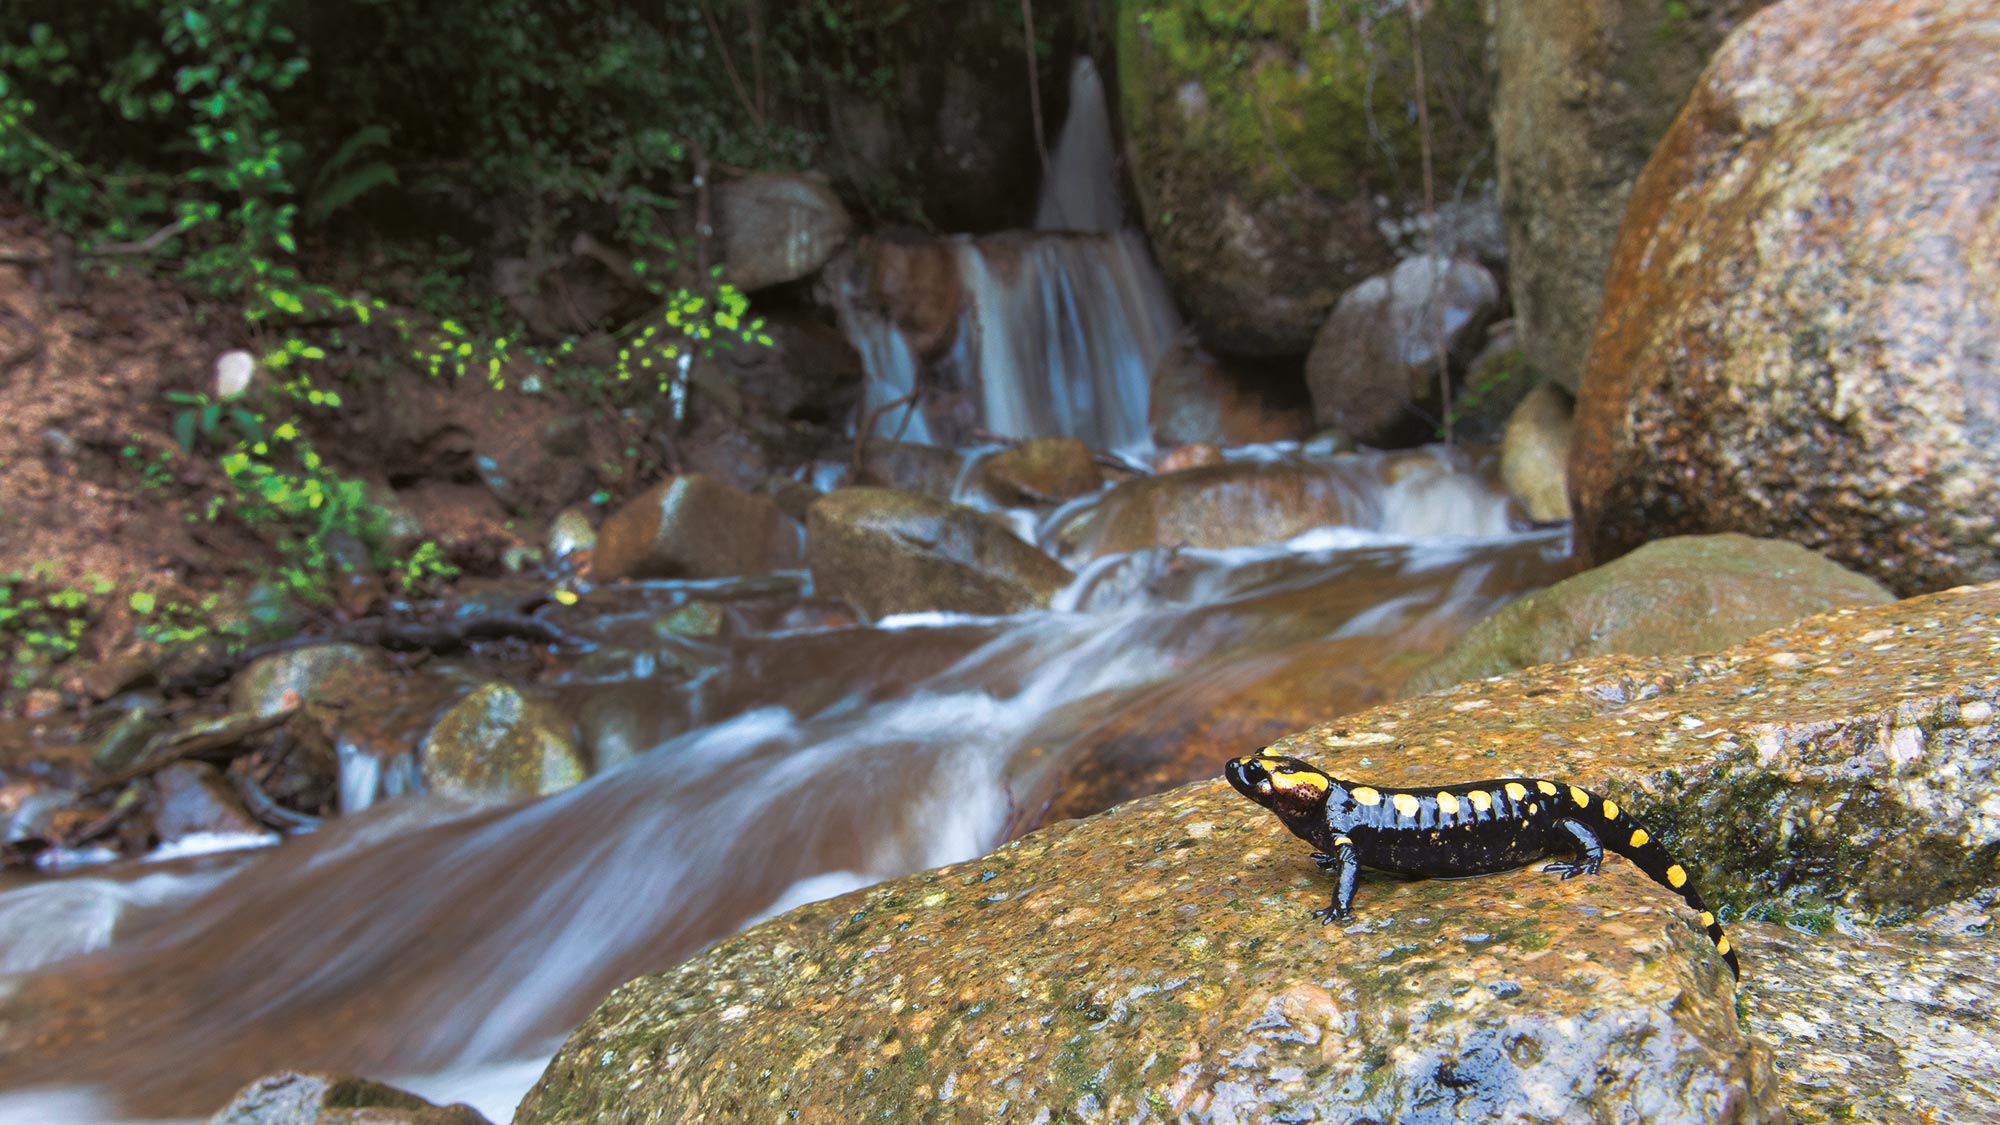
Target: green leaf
141	602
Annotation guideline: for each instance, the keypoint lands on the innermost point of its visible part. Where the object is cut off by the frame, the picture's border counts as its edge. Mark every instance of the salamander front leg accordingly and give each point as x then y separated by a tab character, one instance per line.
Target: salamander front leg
1589	851
1346	870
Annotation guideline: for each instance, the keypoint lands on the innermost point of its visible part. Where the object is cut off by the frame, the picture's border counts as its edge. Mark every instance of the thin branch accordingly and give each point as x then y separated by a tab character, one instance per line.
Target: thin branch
145	245
1035	86
1430	211
729	64
867	427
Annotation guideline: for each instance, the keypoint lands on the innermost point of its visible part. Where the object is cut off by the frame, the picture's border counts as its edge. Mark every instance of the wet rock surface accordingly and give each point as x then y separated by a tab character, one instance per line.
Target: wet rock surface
284	681
1584	92
1162	963
693	527
1787	351
1042	471
1236	504
292	1098
498	742
1688	594
1197	399
896	552
1889	1025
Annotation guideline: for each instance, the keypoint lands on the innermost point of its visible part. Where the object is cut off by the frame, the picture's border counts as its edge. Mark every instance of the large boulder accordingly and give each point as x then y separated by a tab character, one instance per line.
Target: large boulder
1689	594
1373	369
1275	155
776	227
694	526
1802	327
1585	90
896	552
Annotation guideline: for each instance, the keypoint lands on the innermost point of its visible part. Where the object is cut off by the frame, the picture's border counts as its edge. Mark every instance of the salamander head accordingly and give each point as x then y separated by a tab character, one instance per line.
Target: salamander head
1294	790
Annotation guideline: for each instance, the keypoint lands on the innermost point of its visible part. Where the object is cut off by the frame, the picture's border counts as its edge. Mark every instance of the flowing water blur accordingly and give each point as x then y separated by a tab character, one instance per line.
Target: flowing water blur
424	936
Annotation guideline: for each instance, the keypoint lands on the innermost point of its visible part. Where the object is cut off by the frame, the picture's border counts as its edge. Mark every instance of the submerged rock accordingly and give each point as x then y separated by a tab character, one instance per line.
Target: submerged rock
1373	369
1162	963
1236	504
1690	594
1802	327
499	743
895	552
194	800
694	526
1585	91
293	1098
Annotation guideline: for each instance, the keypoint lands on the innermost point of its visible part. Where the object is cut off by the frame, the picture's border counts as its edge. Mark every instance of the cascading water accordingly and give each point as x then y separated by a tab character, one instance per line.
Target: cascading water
1058	330
425	936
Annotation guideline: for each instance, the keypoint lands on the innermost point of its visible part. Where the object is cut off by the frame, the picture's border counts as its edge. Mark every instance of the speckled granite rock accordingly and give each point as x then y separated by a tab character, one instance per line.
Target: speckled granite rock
1801	336
293	1098
1854	754
1162	964
1687	594
1896	1026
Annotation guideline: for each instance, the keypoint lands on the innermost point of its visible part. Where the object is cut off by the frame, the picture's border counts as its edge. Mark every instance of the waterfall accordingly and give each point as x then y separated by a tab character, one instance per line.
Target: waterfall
1056	331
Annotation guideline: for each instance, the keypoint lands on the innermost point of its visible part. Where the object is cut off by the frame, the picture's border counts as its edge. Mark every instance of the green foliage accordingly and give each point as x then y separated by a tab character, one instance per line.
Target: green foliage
347	176
42	621
200	420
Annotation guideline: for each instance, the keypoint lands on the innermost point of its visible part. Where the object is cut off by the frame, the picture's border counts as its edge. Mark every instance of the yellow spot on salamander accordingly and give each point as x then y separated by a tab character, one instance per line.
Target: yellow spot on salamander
1480	800
1707	919
1639	838
1722	945
1676	877
1299	779
1447	804
1339	841
1406	805
1365	796
1547	787
1581	798
1516	790
1611	810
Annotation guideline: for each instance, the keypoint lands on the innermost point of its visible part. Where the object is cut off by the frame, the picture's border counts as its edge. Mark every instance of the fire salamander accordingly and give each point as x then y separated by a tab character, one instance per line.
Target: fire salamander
1472	829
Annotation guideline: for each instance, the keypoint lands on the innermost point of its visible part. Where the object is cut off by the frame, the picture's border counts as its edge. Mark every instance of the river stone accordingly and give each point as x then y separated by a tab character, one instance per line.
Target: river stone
777	227
195	800
1161	963
570	533
284	680
1373	369
1045	470
693	526
1787	349
1235	504
1585	90
896	552
498	743
929	470
294	1098
1688	594
914	282
1197	399
1534	453
1275	154
1886	1025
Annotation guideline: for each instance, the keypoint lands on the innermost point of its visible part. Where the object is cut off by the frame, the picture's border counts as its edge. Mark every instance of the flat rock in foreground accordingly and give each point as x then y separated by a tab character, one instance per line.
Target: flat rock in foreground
1161	963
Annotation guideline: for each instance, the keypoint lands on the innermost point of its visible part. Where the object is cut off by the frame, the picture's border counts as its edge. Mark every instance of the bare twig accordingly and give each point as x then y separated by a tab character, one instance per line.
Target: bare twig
1430	211
144	245
1035	86
867	427
729	64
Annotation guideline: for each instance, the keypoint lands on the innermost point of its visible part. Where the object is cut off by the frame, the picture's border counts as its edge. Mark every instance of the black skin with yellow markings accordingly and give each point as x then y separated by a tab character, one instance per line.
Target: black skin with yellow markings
1472	829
